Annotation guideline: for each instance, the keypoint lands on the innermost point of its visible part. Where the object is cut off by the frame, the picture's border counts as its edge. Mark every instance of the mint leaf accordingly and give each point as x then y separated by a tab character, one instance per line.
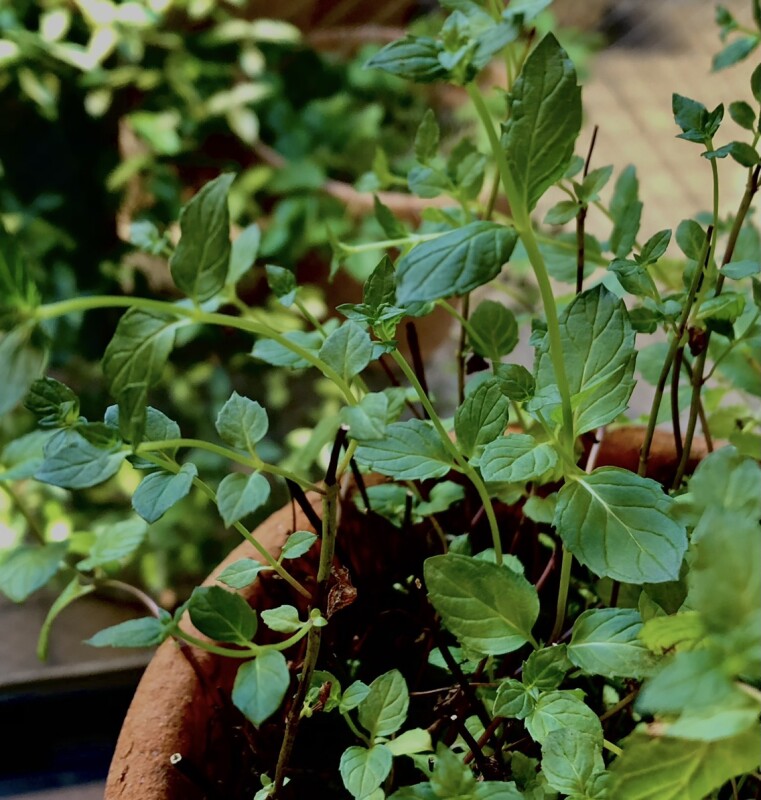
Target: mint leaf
606	642
260	686
115	542
409	450
545	119
488	608
455	263
243	252
493	330
282	281
143	632
562	710
297	544
200	262
73	462
618	525
283	619
134	362
239	495
348	350
415	58
221	615
545	669
16	286
53	402
513	700
427	137
626	210
736	51
159	491
598	347
482	417
241	573
367	420
73	591
27	569
517	458
570	761
278	355
242	422
363	771
23	356
679	769
384	709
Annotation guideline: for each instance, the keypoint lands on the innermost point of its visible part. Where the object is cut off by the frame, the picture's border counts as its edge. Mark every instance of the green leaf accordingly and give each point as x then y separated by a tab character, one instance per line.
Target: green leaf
691	238
355	693
428	182
367	420
134	362
16	286
618	525
241	573
482	417
415	58
681	631
742	114
454	263
488	608
243	253
363	771
73	462
384	710
741	152
22	360
562	710
634	278
415	740
737	270
143	632
115	542
736	51
606	642
451	778
562	212
727	306
380	287
427	137
392	227
493	330
679	769
27	569
260	686
283	619
626	210
544	121
282	281
239	495
755	83
598	347
242	422
221	615
200	262
516	382
158	426
517	458
655	247
73	591
297	544
23	456
594	183
280	356
513	700
410	450
53	402
545	669
159	491
348	350
570	761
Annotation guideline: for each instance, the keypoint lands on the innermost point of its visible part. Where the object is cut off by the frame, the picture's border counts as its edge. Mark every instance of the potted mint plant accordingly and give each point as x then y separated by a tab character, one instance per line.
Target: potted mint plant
495	601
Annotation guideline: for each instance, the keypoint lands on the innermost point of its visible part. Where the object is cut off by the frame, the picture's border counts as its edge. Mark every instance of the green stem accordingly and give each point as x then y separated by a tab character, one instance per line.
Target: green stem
525	230
613	748
565	582
461	462
195	314
253	462
386	244
250	652
671	355
355	730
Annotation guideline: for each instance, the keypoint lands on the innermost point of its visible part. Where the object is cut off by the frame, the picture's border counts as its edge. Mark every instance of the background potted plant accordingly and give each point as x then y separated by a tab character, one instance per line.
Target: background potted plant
510	612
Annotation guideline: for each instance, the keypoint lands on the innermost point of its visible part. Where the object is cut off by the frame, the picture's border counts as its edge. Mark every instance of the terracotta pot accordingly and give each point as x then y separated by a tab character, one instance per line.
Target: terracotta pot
182	703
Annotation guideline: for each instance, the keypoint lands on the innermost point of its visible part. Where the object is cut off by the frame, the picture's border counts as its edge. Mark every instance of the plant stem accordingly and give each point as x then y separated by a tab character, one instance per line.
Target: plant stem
460	462
251	651
38	534
581	220
194	314
671	355
461	349
525	230
327	550
613	748
676	374
567	562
